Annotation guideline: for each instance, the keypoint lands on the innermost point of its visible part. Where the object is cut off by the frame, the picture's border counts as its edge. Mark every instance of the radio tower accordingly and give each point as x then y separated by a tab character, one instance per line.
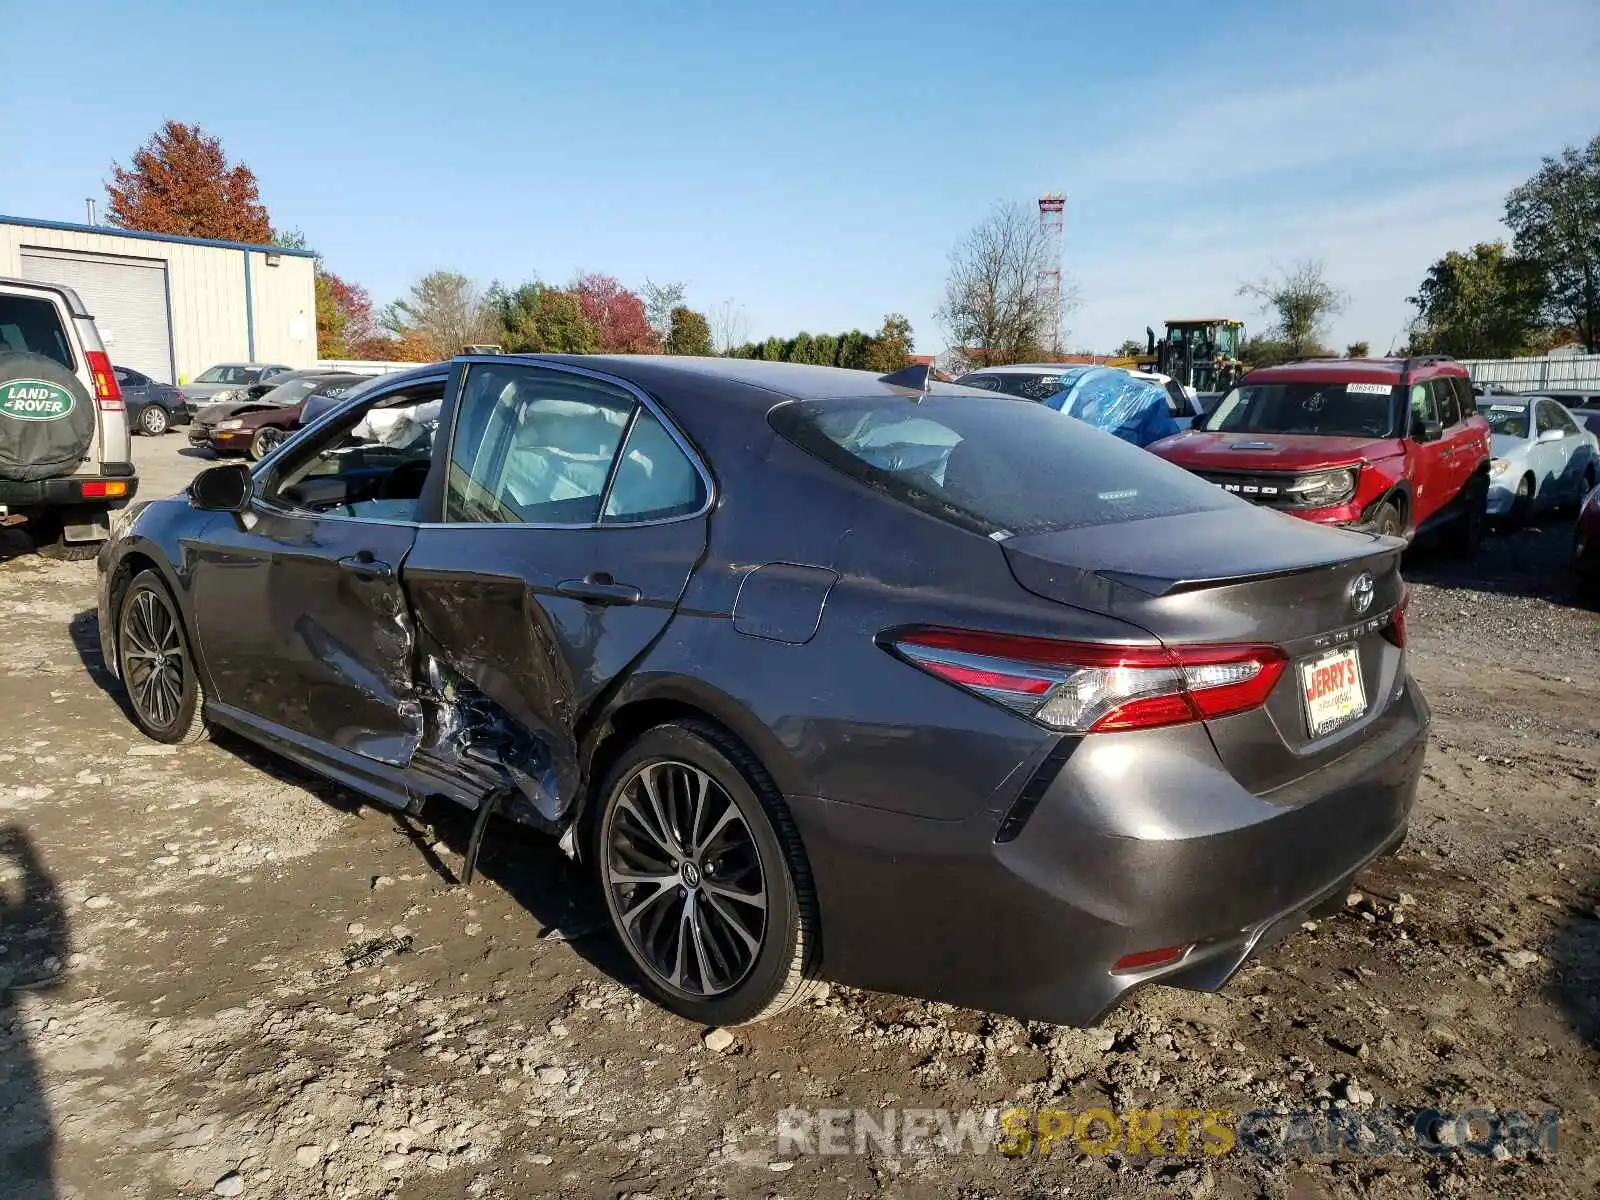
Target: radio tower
1052	216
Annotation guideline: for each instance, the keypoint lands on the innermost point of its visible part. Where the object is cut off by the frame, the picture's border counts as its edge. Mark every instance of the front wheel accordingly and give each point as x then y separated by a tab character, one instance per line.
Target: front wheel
1388	522
153	420
704	876
265	442
157	668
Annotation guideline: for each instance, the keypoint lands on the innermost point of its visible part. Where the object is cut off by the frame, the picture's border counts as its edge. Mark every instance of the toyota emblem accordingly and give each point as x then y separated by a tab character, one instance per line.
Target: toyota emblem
1361	590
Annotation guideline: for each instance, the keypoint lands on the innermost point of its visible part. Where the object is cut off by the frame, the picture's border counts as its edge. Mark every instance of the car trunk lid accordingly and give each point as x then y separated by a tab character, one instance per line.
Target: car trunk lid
1252	576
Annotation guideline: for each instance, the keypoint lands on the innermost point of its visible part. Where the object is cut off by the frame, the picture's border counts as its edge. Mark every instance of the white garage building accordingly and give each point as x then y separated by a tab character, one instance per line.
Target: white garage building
172	306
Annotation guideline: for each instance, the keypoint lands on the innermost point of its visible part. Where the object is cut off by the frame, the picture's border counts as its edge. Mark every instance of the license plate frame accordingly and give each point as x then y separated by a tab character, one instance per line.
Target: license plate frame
1327	703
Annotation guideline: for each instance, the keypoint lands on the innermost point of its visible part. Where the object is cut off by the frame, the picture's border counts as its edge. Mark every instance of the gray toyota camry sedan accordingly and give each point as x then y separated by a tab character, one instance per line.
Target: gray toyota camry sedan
934	691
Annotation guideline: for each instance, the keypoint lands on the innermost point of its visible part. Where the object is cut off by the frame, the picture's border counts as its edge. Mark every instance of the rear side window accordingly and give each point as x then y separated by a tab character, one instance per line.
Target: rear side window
533	446
32	325
1449	410
654	481
993	467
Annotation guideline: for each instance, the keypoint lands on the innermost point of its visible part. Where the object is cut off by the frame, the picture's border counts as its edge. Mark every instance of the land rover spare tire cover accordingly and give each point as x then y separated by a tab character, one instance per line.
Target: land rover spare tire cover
47	418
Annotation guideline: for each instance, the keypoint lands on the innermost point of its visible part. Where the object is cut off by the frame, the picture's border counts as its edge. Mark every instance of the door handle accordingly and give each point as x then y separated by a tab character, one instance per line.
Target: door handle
362	563
599	588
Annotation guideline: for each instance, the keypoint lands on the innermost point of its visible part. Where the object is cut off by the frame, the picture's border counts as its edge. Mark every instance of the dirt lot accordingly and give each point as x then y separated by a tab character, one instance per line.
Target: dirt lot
221	976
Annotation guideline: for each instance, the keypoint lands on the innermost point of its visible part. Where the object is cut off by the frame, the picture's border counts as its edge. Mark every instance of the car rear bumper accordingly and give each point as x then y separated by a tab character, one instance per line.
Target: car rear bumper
68	490
1140	841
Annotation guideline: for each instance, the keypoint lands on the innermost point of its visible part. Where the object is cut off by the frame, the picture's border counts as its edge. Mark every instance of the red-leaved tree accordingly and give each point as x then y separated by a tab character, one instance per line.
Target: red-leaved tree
181	183
617	315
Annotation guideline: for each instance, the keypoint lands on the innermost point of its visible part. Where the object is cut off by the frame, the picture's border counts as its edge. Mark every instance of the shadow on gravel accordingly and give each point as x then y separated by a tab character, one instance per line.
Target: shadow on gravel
1534	562
559	894
529	866
1574	953
33	952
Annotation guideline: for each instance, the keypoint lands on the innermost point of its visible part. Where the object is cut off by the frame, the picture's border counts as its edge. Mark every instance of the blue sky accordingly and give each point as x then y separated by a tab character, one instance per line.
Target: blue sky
814	164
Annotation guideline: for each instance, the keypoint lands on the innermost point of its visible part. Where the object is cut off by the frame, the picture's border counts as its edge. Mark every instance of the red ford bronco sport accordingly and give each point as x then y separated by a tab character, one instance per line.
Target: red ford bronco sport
1385	445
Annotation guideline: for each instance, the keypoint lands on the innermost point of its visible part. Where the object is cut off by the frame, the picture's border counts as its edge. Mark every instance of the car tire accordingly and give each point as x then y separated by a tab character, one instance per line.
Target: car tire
1466	532
267	439
1522	502
686	804
1387	522
154	420
50	541
164	697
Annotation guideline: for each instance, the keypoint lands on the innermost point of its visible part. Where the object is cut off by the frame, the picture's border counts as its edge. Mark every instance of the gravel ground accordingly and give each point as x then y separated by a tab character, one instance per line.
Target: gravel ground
220	976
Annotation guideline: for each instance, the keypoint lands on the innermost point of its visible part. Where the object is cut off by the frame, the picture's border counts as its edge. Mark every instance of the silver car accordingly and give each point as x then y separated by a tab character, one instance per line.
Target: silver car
1542	457
227	381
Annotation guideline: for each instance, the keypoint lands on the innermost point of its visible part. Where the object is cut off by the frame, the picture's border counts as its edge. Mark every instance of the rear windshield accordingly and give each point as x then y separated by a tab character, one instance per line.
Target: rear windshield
1015	383
995	467
30	325
1329	409
1510	420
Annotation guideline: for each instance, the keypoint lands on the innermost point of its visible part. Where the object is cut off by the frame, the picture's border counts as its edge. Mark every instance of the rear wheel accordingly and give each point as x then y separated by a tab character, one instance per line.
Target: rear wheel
153	420
265	442
157	668
704	876
50	541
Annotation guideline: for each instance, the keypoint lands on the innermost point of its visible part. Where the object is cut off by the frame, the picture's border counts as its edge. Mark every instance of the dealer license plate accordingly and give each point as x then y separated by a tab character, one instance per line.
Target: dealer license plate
1333	691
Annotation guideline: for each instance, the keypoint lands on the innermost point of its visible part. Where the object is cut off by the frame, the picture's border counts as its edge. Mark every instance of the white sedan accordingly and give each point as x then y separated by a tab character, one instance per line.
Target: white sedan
1542	457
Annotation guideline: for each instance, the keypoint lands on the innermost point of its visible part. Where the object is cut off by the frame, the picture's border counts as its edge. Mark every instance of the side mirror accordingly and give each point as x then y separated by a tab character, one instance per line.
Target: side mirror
227	488
1551	435
1426	431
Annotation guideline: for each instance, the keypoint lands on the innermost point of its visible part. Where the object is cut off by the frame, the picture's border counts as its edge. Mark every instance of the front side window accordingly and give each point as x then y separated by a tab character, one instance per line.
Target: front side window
371	463
1330	409
533	445
1547	419
1564	421
1423	409
993	467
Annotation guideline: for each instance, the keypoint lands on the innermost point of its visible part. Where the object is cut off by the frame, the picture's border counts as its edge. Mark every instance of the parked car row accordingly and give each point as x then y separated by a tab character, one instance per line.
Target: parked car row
255	427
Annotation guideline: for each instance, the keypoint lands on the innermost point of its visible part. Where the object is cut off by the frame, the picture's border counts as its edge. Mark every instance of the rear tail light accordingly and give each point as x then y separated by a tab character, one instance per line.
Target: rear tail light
1093	687
107	392
103	489
1144	960
1395	630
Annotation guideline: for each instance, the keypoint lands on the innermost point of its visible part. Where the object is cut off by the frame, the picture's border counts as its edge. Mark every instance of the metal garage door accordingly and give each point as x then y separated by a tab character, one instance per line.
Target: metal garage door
127	297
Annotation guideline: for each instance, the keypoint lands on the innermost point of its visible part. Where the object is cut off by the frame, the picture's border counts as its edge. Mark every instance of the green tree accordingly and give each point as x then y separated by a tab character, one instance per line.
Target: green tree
1357	350
1132	348
1264	351
688	332
773	349
855	351
1302	300
800	350
1555	220
1483	304
825	350
891	349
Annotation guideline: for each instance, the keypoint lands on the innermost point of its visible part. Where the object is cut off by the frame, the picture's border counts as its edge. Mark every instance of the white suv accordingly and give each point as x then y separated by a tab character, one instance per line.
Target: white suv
66	458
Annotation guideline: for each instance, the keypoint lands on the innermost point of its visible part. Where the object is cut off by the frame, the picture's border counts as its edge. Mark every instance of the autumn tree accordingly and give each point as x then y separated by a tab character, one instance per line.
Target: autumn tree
661	300
1302	299
617	315
444	312
344	315
688	332
728	326
891	348
993	307
1482	304
181	183
1555	218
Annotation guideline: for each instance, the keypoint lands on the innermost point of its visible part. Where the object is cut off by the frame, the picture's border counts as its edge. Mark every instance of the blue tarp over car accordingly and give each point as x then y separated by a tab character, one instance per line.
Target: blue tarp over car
1116	402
